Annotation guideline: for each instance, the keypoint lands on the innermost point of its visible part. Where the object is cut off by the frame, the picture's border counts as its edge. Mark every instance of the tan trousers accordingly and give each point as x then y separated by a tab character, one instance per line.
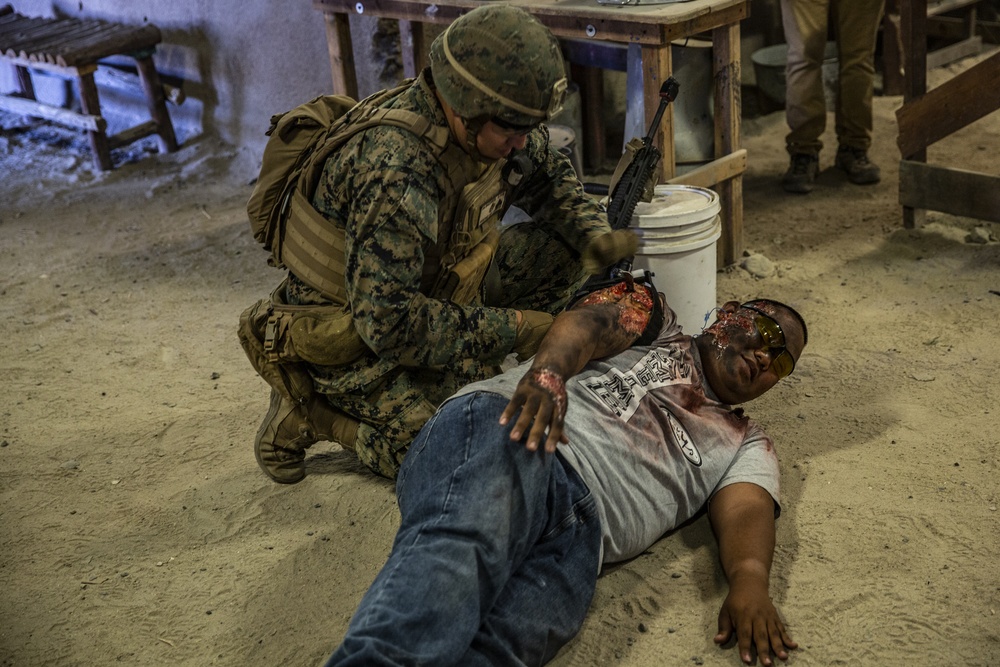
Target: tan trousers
855	26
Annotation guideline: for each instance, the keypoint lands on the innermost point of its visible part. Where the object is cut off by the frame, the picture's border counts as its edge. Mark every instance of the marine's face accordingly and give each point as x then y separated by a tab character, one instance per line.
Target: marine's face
741	361
495	142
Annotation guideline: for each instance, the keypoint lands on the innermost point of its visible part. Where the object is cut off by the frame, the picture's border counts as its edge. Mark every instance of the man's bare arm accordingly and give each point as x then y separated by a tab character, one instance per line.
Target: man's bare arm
601	325
742	516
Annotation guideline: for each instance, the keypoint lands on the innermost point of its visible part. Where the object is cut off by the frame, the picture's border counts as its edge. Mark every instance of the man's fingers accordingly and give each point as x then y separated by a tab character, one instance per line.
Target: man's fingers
745	637
513	406
781	640
542	417
725	628
528	408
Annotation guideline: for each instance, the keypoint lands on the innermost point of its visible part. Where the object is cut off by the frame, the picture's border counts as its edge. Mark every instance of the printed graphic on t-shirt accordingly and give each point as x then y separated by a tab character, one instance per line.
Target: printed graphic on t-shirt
622	391
683	440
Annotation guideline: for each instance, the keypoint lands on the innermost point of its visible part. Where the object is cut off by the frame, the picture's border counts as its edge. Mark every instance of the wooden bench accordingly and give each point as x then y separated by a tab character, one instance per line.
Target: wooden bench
71	48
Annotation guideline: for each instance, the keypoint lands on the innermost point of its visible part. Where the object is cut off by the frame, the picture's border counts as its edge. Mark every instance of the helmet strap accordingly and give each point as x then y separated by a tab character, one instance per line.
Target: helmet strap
472	128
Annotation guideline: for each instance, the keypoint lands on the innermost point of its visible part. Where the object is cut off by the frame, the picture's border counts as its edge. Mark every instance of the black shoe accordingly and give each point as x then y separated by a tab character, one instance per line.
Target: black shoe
801	173
860	170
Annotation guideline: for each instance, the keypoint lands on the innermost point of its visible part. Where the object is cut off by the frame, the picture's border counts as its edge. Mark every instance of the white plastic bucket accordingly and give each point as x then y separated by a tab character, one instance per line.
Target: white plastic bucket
677	233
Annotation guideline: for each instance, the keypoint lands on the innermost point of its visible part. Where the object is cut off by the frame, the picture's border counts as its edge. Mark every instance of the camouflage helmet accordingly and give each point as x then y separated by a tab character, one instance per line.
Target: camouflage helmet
499	62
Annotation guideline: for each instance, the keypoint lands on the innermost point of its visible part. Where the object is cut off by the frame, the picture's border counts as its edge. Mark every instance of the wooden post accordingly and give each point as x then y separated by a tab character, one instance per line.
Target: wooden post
727	74
341	48
657	65
913	27
91	105
157	103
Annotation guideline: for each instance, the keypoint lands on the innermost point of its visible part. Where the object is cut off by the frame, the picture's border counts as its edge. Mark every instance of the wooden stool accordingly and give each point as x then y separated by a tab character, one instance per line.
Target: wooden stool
70	48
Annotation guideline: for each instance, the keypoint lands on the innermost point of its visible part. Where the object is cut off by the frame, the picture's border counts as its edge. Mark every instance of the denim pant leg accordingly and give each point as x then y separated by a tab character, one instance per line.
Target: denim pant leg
473	506
546	599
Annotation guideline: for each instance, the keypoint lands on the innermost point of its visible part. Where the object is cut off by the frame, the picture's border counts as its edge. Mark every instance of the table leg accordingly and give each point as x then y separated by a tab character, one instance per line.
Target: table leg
727	74
90	104
156	102
338	41
657	65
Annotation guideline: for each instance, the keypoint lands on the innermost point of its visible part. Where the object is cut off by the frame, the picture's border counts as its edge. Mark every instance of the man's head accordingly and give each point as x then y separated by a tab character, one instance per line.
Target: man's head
750	347
499	70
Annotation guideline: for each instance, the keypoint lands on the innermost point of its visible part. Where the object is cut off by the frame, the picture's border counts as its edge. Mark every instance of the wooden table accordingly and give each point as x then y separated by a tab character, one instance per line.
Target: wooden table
651	26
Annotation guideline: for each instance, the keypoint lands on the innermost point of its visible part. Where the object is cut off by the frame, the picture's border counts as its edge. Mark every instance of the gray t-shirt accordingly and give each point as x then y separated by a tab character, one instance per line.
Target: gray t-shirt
651	441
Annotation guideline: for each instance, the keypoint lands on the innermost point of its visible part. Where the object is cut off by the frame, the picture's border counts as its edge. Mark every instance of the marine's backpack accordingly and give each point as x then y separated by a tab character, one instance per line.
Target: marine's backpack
300	140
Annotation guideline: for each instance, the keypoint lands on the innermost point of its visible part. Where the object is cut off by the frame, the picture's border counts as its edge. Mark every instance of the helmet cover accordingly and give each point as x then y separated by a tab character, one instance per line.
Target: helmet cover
499	62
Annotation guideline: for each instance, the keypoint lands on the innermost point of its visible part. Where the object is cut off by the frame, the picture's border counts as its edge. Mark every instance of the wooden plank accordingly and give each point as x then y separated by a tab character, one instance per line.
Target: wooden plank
956	191
38	50
60	34
913	26
157	105
936	7
717	171
119	41
951	27
132	134
656	67
26	31
728	118
340	48
90	103
949	54
24	82
892	50
64	117
964	98
52	68
578	19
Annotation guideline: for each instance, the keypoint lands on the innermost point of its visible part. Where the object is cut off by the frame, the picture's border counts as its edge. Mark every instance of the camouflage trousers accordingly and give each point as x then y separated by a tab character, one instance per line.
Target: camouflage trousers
537	272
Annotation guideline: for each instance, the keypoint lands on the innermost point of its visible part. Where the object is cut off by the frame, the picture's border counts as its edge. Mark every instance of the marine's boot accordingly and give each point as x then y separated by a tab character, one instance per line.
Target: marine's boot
289	429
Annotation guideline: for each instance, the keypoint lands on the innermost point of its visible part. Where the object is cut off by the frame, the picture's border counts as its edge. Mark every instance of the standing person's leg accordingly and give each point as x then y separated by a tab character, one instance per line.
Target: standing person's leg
546	600
473	505
805	25
857	23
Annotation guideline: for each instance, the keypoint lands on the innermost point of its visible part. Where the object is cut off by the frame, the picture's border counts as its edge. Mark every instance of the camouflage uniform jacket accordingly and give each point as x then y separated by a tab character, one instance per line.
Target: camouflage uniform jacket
384	186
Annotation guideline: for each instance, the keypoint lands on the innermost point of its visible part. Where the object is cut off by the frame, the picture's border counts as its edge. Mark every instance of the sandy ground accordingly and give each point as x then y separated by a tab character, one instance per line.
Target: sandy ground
137	528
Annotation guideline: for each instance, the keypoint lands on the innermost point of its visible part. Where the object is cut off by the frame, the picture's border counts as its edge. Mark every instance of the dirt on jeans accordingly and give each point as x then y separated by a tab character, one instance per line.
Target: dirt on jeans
137	528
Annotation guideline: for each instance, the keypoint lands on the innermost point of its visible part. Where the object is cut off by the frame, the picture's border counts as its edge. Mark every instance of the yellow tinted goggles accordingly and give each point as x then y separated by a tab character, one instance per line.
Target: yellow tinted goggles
774	339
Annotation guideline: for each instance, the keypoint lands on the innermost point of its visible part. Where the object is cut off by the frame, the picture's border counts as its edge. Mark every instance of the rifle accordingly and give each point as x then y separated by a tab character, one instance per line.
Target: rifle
635	179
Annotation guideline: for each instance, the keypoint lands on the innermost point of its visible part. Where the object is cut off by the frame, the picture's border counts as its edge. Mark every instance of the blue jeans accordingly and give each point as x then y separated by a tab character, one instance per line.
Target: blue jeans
497	554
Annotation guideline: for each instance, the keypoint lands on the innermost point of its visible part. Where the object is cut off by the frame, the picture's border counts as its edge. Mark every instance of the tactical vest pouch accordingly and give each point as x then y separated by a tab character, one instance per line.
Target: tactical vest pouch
321	335
289	379
462	283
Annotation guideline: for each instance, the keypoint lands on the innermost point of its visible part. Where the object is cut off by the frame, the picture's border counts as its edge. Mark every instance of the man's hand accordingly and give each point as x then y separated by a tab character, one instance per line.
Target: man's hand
541	398
749	614
601	324
742	516
608	248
